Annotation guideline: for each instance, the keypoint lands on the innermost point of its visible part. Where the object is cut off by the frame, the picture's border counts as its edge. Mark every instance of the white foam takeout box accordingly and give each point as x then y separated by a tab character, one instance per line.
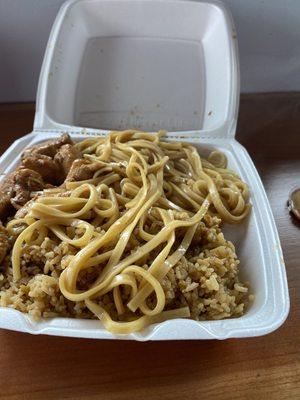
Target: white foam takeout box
173	65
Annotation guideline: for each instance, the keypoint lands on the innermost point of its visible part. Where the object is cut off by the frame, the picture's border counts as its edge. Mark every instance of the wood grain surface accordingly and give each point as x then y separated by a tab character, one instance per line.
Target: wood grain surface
43	367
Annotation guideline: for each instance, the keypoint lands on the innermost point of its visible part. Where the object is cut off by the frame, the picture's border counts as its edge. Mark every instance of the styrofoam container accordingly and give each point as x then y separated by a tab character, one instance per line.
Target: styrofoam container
116	64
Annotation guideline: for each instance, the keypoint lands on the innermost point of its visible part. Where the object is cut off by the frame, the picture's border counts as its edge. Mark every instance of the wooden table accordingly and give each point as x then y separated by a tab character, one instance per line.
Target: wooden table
43	367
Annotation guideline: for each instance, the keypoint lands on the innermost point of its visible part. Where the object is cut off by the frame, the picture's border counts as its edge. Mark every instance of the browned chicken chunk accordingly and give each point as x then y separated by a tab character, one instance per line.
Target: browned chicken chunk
48	148
52	159
82	170
16	188
46	166
4	242
65	157
42	166
25	181
5	205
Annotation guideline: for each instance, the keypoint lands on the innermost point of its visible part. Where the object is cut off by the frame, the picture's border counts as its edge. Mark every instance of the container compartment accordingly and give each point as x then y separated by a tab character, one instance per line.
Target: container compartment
257	246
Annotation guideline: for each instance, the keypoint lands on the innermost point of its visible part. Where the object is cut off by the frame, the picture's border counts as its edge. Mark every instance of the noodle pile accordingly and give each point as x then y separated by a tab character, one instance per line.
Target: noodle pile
131	223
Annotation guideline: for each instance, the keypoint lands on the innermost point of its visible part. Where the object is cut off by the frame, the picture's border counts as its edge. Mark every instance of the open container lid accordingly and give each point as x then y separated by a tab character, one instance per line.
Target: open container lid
145	64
